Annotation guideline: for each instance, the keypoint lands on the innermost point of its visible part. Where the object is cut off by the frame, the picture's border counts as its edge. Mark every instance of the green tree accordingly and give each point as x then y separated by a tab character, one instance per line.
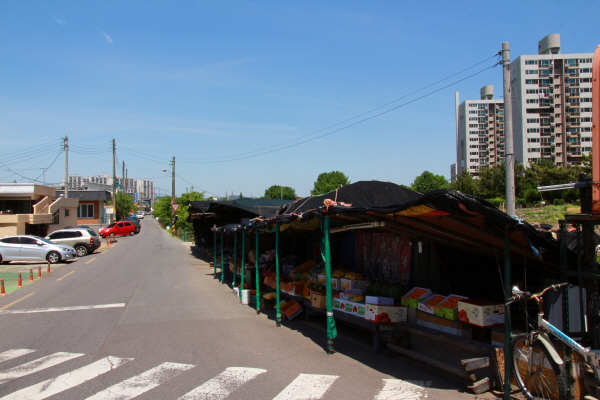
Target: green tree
329	181
428	181
466	183
125	205
162	210
183	210
280	192
492	182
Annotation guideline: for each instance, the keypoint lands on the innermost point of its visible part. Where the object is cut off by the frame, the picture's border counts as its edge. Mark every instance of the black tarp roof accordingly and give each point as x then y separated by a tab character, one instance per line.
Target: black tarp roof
240	208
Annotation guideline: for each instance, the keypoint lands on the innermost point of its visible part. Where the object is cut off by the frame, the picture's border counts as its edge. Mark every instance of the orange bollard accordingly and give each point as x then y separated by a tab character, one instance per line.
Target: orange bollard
30	274
48	267
19	281
40	271
2	292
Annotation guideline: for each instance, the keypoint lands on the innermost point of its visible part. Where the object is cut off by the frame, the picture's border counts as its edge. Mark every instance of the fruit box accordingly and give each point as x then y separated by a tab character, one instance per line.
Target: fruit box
385	314
336	283
348	284
291	309
481	312
340	305
429	305
321	279
317	299
358	309
347	294
378	300
449	307
415	296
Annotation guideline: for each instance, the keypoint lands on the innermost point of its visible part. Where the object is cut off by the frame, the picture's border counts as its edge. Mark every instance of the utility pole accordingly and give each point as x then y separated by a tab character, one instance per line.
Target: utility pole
509	155
66	148
123	184
173	196
114	180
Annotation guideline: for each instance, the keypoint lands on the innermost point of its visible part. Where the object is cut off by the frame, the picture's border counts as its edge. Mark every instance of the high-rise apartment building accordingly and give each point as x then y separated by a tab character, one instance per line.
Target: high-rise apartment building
480	133
552	104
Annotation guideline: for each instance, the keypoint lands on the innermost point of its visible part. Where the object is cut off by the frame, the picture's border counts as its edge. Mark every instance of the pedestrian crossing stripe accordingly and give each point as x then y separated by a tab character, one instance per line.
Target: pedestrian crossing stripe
303	387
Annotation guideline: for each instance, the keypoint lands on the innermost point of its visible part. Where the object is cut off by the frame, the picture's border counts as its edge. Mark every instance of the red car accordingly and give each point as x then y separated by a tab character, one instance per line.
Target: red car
119	228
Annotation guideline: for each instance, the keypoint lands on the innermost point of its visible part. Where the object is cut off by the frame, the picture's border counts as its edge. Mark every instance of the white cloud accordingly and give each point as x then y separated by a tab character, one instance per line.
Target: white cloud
107	37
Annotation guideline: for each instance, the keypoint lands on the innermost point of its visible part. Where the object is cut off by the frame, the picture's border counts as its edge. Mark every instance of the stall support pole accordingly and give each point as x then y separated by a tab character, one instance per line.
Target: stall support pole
507	327
277	306
222	261
326	254
235	260
215	257
243	268
257	275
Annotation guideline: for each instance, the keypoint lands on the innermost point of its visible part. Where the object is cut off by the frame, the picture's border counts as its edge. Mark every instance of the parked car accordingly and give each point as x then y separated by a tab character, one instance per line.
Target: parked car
135	221
118	228
140	214
33	248
84	241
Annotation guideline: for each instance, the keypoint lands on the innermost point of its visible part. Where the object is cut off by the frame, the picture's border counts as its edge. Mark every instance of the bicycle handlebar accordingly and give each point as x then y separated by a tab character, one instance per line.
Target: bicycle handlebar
528	295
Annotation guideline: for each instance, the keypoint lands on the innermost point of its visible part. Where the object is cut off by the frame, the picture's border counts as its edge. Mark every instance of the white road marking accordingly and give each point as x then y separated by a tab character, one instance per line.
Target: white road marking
74	308
36	365
397	389
223	384
66	381
139	384
307	387
10	354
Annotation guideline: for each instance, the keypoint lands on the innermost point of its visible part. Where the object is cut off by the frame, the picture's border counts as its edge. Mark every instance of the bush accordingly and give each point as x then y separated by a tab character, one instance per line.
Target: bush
497	201
558	202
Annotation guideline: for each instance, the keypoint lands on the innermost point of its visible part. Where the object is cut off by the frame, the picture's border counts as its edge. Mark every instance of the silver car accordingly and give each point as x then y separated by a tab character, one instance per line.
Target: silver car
33	248
83	240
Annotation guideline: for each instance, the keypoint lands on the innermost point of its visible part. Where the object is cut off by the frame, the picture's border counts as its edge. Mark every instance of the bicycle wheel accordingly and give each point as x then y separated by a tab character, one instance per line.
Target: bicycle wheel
540	380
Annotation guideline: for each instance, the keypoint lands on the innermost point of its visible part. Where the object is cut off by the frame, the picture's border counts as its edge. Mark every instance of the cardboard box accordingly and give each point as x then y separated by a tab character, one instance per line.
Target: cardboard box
358	309
481	312
442	324
291	309
268	279
340	305
378	314
411	302
347	294
446	311
317	299
429	305
348	284
306	292
321	279
336	283
378	300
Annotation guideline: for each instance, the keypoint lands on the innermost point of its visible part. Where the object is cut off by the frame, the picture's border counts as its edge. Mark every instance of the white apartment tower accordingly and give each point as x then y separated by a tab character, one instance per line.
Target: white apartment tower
552	104
480	133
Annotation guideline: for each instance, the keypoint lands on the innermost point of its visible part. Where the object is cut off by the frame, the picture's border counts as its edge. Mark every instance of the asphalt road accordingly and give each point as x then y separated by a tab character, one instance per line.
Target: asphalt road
145	318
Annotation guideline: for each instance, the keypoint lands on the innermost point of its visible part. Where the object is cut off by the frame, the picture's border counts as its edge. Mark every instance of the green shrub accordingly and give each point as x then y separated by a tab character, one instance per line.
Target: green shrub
559	202
497	202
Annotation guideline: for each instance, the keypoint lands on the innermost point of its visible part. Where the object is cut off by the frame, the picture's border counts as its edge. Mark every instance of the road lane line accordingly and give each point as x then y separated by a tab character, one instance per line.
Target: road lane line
223	384
91	260
16	301
73	308
60	279
10	354
36	365
68	380
397	389
139	384
307	387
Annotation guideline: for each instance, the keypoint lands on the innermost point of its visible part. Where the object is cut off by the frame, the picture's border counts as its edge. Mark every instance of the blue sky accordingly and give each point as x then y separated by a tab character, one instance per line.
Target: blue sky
249	94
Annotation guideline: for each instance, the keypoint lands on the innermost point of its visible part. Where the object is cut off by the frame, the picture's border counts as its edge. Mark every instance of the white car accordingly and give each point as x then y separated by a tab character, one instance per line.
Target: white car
140	215
33	248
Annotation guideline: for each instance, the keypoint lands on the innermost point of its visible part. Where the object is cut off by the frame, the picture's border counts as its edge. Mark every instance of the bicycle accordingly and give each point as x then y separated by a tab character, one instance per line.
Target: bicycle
535	362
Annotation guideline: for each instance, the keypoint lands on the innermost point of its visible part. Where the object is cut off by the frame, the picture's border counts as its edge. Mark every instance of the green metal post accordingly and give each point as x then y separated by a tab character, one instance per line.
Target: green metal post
277	305
326	254
222	261
215	257
507	325
234	259
243	269
257	275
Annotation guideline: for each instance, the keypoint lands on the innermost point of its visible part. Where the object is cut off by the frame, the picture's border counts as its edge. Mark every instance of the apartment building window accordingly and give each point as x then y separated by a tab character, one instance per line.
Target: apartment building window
530	62
472	111
473	119
585	80
533	120
533	140
532	101
585	100
586	139
474	146
571	81
533	150
531	81
85	211
531	72
585	71
531	91
571	62
533	130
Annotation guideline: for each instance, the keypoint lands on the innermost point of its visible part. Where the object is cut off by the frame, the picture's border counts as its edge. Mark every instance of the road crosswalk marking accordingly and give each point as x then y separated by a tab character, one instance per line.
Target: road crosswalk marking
10	354
66	381
54	309
303	387
36	365
222	385
139	384
397	389
307	387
